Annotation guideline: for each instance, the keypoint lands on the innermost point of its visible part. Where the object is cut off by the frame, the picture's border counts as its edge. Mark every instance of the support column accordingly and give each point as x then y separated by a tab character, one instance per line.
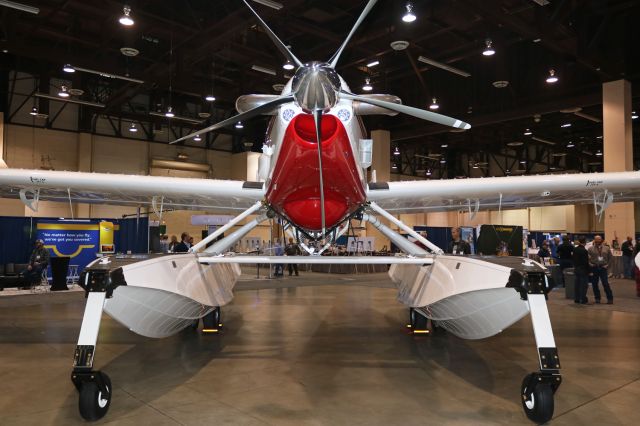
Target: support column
381	155
244	166
619	220
3	164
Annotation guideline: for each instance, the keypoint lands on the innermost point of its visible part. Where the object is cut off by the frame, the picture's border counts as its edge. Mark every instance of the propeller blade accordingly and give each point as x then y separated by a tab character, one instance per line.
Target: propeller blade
274	38
414	112
262	109
317	119
336	56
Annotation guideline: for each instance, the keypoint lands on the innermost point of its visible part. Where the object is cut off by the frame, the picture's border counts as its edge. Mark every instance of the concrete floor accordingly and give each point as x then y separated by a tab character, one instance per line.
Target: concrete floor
319	350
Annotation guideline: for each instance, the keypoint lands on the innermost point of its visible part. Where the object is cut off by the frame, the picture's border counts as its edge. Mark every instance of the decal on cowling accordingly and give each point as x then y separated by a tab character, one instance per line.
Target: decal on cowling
591	183
37	179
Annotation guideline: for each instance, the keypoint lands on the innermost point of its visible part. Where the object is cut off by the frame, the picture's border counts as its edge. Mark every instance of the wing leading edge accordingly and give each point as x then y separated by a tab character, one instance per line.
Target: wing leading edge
505	192
130	190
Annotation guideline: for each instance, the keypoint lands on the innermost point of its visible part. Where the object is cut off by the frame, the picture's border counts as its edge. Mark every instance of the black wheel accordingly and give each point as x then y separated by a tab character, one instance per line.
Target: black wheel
217	317
93	403
537	399
417	321
194	325
211	321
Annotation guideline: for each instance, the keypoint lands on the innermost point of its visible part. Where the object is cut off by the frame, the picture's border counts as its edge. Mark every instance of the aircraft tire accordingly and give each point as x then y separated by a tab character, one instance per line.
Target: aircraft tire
93	405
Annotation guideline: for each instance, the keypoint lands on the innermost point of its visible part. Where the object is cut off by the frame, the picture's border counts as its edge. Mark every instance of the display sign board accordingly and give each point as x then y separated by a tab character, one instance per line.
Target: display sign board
76	240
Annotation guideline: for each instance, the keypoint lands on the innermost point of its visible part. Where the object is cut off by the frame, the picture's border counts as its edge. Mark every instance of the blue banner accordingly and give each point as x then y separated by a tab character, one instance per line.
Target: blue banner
77	240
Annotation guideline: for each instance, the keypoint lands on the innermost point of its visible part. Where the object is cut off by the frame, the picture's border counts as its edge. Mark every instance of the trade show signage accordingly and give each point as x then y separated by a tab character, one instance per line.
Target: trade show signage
78	240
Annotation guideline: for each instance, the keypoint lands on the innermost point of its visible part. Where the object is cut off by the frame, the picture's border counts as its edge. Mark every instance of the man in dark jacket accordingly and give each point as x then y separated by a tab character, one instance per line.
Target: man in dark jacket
564	254
458	245
580	259
38	262
292	249
627	257
183	246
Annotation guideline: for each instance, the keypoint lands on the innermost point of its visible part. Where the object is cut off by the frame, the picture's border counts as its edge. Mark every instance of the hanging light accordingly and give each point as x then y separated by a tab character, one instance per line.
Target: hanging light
634	115
409	16
68	68
570	144
126	19
553	78
373	64
239	125
528	132
367	85
396	151
443	161
169	113
488	50
209	98
444	145
428	172
565	125
395	166
197	138
133	128
63	93
34	111
288	65
434	104
599	153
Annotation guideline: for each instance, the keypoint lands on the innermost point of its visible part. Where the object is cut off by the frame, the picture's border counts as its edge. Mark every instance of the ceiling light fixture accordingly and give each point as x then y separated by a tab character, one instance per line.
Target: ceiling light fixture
133	128
599	153
169	113
409	16
396	151
434	104
442	66
239	125
68	68
565	125
126	19
373	64
528	132
444	145
197	138
270	3
288	65
367	85
634	115
34	111
443	161
209	98
63	93
553	78
488	50
570	144
19	6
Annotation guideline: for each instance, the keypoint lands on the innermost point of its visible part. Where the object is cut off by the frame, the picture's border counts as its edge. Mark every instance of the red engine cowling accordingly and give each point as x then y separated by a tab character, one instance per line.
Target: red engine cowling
294	189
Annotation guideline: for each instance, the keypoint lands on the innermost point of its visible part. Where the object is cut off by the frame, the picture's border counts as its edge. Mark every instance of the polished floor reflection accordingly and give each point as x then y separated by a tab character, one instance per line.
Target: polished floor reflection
319	350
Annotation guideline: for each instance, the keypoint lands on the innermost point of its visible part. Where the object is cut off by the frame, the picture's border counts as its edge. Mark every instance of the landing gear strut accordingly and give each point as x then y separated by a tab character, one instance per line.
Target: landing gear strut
94	387
539	388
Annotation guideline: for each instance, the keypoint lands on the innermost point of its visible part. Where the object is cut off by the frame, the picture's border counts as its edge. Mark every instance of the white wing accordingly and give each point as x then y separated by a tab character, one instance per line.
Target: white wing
505	192
131	190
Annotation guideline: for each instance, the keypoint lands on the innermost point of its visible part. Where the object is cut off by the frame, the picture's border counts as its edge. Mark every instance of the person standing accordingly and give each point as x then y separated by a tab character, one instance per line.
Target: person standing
292	249
458	246
183	246
627	258
278	251
173	243
580	258
544	253
38	262
565	253
599	260
554	244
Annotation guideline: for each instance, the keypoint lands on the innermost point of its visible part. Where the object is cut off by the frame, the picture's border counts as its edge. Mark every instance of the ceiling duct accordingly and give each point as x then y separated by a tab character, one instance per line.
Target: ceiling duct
180	165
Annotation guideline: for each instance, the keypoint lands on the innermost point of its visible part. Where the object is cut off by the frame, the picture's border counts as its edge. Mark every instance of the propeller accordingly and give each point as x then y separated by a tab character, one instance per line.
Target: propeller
279	44
336	56
404	109
259	110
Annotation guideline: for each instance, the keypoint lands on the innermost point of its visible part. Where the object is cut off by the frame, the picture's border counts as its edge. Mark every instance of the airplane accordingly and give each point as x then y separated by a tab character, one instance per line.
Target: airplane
312	178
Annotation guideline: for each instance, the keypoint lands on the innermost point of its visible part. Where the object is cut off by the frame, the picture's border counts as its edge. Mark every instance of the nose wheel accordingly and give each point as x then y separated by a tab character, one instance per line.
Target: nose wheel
537	398
94	396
